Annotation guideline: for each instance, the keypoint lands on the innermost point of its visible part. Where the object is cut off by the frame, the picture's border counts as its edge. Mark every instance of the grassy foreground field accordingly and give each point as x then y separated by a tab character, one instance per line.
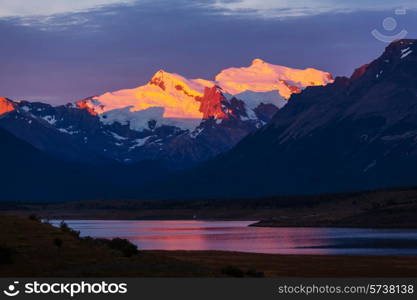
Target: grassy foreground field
29	248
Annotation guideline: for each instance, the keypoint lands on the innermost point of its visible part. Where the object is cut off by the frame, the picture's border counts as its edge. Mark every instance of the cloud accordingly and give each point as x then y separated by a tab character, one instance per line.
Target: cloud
31	8
58	15
54	23
298	8
261	8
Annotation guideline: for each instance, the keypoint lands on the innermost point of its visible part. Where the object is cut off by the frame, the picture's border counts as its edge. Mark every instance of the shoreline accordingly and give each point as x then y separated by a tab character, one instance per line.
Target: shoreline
296	222
273	224
259	223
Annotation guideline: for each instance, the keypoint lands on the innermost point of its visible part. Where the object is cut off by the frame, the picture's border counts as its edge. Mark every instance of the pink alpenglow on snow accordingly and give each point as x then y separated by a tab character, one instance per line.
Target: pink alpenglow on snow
261	76
171	99
6	106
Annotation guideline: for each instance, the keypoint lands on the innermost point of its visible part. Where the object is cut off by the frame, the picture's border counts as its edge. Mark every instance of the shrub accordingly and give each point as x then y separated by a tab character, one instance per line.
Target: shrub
34	217
233	271
254	273
376	205
58	242
6	255
391	202
65	228
88	239
123	245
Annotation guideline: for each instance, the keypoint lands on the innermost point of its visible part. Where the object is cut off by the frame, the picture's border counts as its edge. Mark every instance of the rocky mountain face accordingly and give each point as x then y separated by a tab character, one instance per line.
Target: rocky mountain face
6	106
171	119
356	133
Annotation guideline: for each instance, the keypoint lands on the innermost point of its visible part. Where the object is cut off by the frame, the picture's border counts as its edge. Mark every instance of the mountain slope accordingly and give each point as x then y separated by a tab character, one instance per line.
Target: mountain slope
29	175
357	133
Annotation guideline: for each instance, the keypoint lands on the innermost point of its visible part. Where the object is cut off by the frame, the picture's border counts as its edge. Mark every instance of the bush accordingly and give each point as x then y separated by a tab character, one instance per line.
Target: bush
391	202
376	205
254	273
233	271
123	245
88	239
58	242
34	217
6	255
65	228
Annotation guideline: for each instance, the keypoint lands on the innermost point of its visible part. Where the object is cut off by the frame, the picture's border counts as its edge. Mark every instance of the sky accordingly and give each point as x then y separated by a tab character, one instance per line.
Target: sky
60	51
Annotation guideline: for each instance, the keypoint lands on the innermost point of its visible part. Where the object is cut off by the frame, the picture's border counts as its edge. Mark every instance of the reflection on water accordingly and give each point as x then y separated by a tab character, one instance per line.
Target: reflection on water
237	236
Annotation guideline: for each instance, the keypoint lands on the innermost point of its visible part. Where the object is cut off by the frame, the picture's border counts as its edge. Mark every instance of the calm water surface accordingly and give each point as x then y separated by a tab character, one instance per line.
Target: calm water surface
237	236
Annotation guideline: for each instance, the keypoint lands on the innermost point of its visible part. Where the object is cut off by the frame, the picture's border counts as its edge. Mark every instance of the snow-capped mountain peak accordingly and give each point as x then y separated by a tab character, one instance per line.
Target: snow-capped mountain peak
171	81
171	99
261	76
258	61
174	93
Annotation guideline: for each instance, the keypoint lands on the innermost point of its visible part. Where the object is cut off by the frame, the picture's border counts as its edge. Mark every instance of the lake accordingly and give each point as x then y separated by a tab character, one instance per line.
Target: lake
237	236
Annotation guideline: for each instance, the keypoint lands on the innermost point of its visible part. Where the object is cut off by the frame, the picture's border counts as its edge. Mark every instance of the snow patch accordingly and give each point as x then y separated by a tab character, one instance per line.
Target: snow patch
406	54
118	137
254	99
251	115
141	120
139	143
63	130
197	132
50	119
403	136
370	166
137	120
